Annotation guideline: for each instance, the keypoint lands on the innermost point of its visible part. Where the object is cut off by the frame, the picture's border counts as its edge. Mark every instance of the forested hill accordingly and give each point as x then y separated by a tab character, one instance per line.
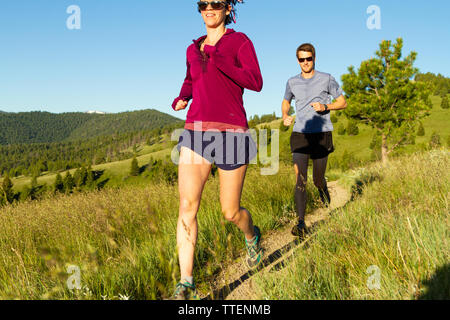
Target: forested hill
45	127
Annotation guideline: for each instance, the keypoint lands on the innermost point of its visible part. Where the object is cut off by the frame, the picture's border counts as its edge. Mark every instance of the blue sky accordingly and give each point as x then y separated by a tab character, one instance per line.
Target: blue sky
130	55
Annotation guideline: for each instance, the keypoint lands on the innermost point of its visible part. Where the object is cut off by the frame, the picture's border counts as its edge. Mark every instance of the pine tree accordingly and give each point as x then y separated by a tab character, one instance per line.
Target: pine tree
382	95
7	190
435	140
77	178
59	184
134	170
83	175
90	179
68	183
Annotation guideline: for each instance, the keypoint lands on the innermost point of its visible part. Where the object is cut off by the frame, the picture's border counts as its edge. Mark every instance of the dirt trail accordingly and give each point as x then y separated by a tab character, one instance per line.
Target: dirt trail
235	282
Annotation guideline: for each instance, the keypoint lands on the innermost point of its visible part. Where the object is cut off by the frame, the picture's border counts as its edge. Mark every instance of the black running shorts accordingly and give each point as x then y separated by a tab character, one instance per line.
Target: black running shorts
317	145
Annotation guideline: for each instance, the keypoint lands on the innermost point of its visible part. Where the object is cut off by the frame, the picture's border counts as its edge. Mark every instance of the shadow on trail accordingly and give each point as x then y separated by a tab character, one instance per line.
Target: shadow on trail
223	292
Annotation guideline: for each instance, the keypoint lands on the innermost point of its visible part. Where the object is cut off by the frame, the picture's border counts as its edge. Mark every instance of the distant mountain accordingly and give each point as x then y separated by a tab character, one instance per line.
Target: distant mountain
95	112
43	127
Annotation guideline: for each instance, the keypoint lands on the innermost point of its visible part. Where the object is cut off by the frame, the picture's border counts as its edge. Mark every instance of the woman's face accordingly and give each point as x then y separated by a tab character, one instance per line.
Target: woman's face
214	18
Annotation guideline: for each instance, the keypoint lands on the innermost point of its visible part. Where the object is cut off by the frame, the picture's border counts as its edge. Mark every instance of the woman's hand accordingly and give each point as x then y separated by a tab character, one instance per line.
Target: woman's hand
181	105
288	121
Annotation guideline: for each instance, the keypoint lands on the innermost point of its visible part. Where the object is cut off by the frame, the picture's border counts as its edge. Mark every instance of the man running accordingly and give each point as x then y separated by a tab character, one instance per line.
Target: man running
312	133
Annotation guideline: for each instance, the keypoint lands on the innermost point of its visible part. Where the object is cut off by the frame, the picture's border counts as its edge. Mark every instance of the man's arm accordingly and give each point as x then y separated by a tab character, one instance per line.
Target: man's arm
339	104
285	107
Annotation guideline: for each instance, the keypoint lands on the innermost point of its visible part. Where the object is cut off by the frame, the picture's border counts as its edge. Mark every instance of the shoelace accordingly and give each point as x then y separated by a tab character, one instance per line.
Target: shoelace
252	248
183	286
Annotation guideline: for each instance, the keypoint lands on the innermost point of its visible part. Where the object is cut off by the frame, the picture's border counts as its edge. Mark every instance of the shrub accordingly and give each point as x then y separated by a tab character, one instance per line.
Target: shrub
420	130
341	129
352	128
444	103
134	170
435	140
334	118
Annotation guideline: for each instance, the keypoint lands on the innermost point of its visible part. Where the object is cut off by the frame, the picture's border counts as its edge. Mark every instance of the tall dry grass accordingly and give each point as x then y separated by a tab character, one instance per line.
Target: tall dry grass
391	242
124	239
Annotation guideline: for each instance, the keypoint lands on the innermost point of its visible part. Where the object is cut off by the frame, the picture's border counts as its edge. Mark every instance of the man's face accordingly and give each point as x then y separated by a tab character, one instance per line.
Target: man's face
303	60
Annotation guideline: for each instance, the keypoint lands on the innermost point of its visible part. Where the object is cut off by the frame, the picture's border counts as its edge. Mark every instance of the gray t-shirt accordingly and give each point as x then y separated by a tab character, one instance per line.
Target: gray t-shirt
306	91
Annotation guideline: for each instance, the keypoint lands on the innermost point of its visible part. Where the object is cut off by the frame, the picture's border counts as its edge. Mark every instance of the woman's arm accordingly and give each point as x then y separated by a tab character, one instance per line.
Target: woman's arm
186	88
248	75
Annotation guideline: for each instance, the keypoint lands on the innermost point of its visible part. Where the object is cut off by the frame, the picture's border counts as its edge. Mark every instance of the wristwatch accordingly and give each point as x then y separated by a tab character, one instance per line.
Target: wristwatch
326	107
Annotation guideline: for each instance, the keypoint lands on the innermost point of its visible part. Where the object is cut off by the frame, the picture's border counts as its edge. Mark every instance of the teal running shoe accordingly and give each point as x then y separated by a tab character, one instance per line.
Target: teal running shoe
255	252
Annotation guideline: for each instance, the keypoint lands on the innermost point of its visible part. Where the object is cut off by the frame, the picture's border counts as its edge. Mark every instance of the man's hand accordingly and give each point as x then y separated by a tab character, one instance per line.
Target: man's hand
181	105
288	121
318	106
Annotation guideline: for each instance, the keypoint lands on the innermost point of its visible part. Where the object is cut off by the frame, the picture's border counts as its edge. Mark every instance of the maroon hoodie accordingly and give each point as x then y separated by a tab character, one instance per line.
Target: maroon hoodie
215	82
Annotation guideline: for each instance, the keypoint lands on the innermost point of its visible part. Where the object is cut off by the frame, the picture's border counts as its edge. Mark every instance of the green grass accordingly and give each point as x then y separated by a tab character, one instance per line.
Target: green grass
123	239
114	171
356	146
399	224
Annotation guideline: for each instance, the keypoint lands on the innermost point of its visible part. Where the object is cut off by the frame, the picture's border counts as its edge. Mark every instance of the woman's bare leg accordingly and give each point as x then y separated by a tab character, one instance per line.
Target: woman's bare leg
191	180
231	185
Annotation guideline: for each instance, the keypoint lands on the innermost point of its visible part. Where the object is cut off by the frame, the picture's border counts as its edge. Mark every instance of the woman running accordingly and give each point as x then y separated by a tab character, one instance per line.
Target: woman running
219	66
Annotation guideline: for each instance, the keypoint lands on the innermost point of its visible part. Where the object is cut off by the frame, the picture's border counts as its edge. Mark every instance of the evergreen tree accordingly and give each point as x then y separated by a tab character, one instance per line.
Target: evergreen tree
68	183
134	170
382	95
83	175
90	181
7	190
435	140
59	184
77	178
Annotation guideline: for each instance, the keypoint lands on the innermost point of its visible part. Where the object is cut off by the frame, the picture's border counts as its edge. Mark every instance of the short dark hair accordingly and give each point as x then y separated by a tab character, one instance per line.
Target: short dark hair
308	47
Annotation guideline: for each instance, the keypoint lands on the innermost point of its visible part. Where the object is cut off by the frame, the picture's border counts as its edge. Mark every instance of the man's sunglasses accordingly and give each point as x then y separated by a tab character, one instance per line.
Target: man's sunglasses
216	5
305	59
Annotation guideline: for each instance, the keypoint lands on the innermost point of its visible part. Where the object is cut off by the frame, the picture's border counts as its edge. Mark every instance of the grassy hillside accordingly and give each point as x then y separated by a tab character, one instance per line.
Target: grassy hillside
123	240
351	151
40	127
398	226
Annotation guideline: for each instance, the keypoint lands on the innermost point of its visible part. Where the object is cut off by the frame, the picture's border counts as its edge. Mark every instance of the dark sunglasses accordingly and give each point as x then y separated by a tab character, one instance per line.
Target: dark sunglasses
305	59
216	5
